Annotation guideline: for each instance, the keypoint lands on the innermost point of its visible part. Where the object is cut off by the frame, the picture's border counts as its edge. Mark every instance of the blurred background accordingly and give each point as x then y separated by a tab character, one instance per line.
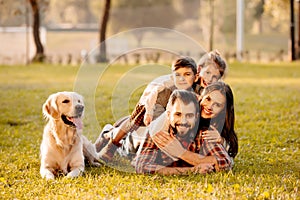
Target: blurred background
63	32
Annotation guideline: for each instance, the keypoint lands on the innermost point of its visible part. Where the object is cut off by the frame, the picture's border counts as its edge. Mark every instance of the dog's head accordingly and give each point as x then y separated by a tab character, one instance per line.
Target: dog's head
65	106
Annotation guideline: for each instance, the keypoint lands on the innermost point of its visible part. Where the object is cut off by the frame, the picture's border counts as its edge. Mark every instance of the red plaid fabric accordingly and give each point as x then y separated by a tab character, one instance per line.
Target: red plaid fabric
137	118
214	149
151	156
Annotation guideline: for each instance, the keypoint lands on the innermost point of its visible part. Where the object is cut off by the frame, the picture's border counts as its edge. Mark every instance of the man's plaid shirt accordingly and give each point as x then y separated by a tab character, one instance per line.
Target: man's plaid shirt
152	157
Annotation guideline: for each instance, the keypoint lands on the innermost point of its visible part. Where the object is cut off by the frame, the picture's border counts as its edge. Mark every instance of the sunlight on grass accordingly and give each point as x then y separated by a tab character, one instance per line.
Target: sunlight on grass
267	110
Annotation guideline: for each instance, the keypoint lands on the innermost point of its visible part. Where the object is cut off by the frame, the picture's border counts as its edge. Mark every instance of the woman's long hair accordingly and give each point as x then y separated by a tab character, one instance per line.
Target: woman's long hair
224	122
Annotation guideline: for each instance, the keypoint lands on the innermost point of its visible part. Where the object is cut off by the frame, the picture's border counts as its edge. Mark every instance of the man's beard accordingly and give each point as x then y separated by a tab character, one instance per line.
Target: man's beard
183	130
182	127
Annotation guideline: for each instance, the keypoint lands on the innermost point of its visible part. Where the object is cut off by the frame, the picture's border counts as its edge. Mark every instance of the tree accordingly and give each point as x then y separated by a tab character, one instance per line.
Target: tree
258	13
105	17
39	55
279	12
292	31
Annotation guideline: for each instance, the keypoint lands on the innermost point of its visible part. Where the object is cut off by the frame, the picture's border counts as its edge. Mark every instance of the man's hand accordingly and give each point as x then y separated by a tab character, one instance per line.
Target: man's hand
203	168
169	144
212	135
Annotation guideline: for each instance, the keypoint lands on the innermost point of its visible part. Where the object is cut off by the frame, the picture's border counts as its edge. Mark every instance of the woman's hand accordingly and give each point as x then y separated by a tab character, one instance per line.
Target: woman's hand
147	119
212	135
168	144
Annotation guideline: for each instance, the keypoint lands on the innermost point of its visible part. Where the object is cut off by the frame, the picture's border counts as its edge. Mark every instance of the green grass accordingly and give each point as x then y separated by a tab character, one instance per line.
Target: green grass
267	109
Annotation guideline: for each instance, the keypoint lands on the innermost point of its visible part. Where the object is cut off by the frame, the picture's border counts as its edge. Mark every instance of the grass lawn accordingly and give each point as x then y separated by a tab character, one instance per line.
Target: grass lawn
267	105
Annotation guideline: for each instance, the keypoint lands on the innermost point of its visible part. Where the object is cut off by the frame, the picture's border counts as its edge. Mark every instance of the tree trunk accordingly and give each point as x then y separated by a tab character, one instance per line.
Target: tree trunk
103	56
298	30
292	31
39	56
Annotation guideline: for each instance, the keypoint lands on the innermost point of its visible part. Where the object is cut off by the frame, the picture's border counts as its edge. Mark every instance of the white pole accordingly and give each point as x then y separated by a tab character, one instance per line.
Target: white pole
27	35
239	29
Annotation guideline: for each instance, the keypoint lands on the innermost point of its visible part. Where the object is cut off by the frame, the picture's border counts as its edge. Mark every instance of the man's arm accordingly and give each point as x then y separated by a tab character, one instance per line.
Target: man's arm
200	169
196	159
147	162
211	152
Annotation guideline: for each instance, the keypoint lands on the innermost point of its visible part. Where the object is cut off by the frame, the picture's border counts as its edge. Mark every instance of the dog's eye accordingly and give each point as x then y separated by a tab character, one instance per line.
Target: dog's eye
66	101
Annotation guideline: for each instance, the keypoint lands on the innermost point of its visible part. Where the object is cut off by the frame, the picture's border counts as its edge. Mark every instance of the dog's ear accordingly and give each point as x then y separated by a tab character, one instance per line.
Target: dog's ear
50	109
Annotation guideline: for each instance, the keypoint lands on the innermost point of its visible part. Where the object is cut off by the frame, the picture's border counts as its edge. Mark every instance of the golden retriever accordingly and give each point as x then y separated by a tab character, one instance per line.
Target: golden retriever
63	146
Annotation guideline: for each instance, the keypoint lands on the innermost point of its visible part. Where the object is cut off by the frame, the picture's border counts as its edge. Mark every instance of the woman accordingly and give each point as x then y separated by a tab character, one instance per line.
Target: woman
219	123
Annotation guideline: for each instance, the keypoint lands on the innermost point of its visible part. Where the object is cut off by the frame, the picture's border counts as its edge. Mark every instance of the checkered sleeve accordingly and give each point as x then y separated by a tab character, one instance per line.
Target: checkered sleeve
217	150
146	160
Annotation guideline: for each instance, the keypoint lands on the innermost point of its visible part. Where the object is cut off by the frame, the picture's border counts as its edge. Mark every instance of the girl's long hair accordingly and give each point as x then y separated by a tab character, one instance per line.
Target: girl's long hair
225	120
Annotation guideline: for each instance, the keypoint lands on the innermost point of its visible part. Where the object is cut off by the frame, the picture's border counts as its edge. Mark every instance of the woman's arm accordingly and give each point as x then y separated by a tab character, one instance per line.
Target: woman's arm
213	135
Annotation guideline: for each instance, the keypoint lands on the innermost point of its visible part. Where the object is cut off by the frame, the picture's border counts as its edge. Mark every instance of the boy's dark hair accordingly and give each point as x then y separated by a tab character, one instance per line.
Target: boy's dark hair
185	96
185	62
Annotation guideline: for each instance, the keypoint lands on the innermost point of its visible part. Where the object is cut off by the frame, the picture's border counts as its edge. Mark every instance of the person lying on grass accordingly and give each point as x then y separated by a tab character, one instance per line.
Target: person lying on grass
152	103
216	125
211	68
164	152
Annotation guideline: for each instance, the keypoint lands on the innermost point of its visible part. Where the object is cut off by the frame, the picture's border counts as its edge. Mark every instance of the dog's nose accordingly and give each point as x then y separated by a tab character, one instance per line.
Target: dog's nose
79	108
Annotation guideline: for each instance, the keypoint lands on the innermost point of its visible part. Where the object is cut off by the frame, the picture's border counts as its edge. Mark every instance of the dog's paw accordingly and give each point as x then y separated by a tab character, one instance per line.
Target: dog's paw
74	173
47	175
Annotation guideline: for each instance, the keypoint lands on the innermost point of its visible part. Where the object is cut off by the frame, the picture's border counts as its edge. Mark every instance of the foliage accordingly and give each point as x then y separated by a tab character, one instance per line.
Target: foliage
13	13
139	14
267	122
278	11
63	12
9	9
168	13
